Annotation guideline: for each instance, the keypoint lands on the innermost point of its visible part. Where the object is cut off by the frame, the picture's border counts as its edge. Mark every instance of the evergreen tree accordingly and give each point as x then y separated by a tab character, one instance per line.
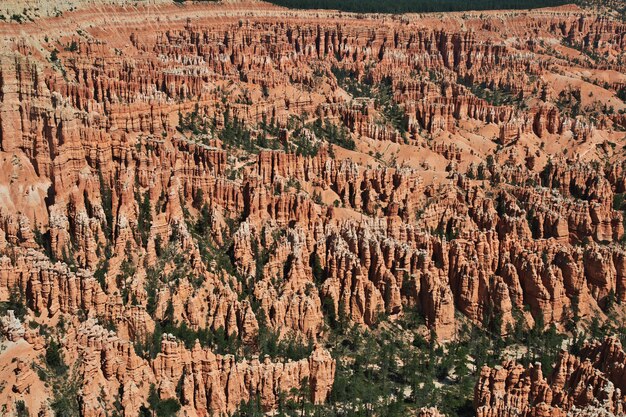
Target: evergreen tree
144	219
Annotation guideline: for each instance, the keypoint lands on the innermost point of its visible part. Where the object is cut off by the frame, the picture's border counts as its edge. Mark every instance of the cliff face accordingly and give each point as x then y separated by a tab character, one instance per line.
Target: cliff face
238	173
205	383
577	385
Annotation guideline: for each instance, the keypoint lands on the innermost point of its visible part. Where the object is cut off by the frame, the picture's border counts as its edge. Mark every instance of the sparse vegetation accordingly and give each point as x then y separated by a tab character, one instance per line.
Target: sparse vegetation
16	302
158	407
397	205
72	46
21	410
621	94
18	18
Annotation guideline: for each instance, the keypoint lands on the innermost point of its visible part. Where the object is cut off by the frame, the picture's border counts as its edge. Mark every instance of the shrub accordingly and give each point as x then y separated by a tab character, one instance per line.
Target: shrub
20	409
16	303
162	408
72	47
54	358
66	392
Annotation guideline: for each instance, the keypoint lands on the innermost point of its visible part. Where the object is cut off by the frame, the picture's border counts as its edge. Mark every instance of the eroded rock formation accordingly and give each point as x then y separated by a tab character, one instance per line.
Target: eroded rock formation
576	386
237	173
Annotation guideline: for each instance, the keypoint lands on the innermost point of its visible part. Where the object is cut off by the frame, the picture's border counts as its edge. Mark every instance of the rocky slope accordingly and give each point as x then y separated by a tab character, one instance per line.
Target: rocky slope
578	385
184	186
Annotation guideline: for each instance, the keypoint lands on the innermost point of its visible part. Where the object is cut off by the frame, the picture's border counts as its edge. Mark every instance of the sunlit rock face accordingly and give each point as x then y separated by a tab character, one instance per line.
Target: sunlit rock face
180	185
585	385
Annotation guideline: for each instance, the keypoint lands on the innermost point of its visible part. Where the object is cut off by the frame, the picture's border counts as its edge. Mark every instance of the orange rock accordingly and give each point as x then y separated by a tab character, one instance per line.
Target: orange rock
575	384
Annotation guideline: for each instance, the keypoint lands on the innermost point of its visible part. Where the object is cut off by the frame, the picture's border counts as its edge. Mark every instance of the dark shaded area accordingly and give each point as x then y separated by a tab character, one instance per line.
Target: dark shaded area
416	6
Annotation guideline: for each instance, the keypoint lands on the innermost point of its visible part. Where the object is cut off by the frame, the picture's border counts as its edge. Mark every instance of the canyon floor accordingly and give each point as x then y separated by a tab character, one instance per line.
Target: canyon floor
235	208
